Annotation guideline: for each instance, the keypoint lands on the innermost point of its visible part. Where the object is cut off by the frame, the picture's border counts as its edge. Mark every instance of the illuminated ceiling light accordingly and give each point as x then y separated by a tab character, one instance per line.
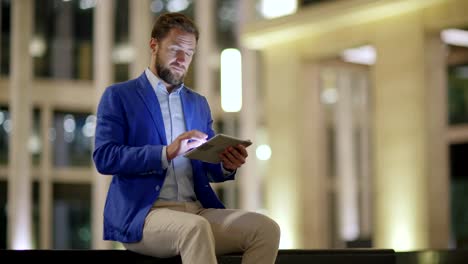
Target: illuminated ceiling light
34	144
231	80
69	124
87	4
177	5
89	126
456	37
360	55
263	152
37	47
277	8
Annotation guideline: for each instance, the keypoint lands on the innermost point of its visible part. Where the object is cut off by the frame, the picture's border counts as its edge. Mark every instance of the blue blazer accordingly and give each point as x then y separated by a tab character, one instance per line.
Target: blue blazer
129	139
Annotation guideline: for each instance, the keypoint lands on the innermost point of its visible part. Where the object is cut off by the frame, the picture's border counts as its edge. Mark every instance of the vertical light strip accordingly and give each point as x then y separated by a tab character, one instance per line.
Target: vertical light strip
231	80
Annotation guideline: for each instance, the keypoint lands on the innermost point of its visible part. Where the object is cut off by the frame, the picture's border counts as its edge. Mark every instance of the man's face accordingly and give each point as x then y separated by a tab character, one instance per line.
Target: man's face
173	56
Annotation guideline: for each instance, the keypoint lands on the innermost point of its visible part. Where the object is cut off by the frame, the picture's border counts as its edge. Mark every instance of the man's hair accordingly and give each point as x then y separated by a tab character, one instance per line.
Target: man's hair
168	21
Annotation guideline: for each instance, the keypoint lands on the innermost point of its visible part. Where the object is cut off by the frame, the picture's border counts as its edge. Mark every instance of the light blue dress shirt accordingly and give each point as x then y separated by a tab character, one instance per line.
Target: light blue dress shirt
178	185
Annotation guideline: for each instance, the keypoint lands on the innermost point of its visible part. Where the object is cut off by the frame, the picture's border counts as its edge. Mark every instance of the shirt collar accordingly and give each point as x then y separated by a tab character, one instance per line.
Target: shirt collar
156	83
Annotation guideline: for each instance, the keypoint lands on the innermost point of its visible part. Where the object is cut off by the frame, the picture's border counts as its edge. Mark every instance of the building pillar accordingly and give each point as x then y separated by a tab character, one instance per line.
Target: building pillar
103	77
249	177
365	178
140	35
206	57
408	138
45	195
438	182
19	172
314	185
284	178
347	206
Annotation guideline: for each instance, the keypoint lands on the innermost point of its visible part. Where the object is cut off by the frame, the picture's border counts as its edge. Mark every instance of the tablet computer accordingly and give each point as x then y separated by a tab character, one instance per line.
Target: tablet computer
210	150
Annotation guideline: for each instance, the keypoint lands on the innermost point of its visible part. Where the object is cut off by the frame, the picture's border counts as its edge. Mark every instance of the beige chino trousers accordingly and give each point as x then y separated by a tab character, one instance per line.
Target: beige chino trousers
199	234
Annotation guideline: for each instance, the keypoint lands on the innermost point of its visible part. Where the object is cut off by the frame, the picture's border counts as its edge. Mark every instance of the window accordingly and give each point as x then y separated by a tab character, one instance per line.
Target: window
72	216
62	44
71	137
458	93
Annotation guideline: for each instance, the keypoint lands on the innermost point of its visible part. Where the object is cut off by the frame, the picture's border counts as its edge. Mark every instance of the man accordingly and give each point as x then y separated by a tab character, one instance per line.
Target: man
159	202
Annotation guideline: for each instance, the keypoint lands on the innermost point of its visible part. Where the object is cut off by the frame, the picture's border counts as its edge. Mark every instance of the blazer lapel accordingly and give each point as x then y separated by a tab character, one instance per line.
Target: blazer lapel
148	96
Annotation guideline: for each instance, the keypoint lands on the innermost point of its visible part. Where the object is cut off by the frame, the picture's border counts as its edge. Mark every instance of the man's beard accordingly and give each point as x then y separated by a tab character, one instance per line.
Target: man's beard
166	75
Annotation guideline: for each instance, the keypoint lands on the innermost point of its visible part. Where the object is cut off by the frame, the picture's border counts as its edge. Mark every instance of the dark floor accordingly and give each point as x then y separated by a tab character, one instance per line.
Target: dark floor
331	256
362	256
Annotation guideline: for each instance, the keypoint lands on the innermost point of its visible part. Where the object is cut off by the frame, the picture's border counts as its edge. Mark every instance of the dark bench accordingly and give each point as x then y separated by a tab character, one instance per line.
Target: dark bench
433	256
331	256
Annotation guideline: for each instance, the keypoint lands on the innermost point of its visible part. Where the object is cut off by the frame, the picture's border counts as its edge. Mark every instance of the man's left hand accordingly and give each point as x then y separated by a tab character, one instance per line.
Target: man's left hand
233	157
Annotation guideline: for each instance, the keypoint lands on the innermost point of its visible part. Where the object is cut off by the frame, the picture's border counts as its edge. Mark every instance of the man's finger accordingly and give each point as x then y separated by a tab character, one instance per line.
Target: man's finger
193	143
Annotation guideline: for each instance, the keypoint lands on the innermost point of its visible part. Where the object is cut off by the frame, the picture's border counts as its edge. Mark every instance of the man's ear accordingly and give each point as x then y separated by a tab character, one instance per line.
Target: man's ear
154	44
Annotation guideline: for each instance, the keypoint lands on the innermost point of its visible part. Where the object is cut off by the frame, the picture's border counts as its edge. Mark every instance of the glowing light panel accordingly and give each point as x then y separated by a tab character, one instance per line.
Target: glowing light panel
231	80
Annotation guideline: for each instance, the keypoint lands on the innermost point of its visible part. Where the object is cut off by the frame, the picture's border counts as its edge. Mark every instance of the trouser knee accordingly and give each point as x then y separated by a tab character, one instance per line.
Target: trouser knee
200	227
268	230
272	229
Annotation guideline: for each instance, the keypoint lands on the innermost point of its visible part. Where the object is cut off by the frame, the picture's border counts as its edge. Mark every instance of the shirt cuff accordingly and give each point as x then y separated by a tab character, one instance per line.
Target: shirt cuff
164	161
227	173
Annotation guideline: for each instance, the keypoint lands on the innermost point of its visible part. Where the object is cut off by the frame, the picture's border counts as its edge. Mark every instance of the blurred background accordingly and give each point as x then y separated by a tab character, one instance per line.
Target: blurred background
358	110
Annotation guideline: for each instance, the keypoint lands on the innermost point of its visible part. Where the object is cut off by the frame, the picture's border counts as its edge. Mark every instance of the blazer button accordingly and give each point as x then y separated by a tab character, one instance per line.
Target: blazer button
157	188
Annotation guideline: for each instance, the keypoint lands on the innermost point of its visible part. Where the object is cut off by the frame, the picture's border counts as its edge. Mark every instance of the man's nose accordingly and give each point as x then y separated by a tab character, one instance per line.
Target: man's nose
181	57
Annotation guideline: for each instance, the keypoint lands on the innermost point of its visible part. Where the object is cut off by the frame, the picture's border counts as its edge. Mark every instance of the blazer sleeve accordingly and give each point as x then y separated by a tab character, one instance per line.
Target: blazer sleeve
111	155
215	172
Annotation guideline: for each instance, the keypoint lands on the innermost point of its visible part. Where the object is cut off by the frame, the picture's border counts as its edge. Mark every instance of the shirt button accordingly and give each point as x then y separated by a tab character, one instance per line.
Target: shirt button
157	188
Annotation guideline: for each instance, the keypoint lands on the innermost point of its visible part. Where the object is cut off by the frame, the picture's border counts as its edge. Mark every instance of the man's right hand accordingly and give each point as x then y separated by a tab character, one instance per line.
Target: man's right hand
184	142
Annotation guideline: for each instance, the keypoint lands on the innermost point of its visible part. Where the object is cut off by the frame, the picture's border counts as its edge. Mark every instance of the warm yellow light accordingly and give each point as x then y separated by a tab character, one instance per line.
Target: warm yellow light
402	238
286	240
231	80
402	210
